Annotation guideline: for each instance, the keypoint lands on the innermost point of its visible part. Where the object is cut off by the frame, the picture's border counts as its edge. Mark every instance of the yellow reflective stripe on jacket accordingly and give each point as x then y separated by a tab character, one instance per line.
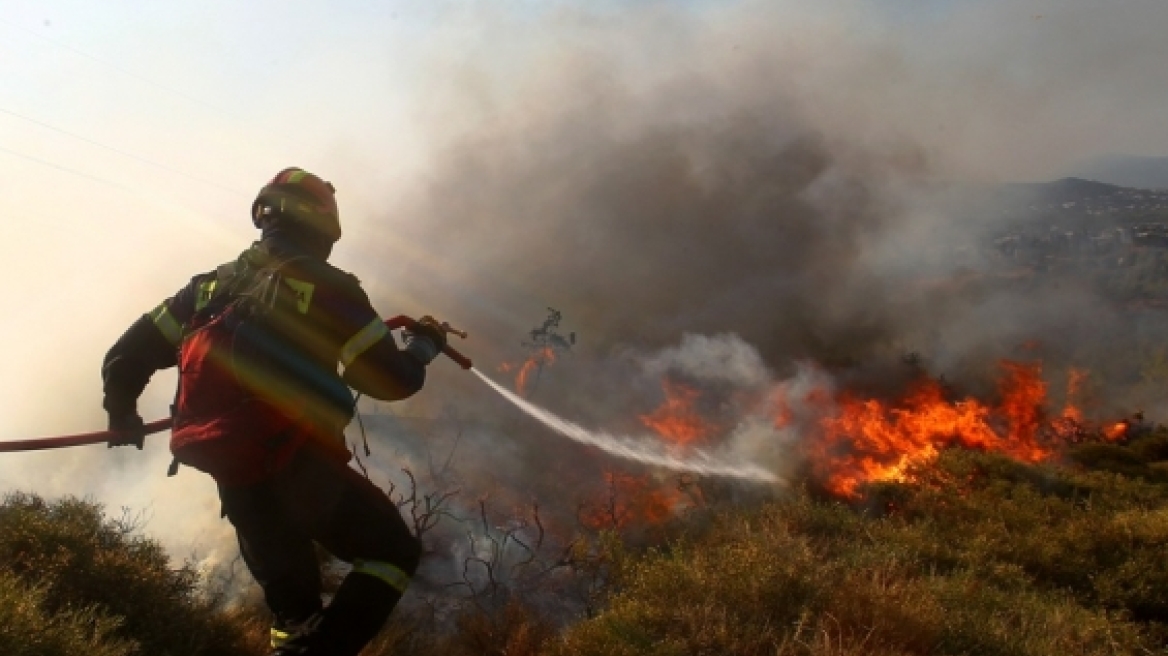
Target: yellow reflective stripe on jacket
390	574
170	328
303	293
359	343
206	291
279	637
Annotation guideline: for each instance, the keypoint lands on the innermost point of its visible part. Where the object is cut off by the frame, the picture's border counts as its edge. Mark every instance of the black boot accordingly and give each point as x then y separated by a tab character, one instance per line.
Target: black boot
358	611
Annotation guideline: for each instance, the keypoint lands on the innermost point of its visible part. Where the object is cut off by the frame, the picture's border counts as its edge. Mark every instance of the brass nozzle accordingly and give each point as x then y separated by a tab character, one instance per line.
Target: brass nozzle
452	330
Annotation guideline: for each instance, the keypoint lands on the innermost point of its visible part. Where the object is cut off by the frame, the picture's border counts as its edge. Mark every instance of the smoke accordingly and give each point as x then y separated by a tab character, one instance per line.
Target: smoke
772	170
643	451
715	195
709	192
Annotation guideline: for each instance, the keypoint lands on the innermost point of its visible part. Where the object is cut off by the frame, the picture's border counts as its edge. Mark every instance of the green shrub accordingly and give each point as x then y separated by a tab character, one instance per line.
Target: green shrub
79	558
27	628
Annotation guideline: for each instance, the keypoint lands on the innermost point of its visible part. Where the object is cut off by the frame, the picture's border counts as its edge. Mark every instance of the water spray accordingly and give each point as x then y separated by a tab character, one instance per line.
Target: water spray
645	451
642	450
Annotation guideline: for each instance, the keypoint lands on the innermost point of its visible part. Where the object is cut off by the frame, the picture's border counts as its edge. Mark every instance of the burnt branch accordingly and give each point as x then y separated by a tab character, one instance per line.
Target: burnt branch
426	512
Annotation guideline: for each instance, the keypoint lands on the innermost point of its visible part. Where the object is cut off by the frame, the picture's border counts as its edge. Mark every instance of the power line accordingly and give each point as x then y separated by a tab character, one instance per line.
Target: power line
128	73
45	162
136	193
123	153
115	67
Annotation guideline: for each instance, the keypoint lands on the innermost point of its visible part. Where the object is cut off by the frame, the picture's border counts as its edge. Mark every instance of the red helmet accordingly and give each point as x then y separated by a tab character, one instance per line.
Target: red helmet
302	197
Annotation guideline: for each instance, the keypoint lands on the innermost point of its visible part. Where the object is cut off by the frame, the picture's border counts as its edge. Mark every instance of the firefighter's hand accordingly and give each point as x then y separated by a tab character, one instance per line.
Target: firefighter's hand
127	430
425	339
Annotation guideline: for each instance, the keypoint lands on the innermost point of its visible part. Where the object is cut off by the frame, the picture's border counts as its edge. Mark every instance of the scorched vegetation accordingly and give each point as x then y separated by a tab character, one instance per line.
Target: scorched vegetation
974	553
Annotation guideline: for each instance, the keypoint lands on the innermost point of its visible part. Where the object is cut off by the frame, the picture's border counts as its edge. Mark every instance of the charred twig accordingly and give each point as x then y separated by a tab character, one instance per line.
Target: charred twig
439	474
483	514
611	515
532	551
360	465
691	486
425	513
488	565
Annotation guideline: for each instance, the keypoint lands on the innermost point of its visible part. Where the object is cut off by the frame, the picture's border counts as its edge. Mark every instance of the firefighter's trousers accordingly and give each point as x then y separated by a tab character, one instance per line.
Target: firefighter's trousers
315	499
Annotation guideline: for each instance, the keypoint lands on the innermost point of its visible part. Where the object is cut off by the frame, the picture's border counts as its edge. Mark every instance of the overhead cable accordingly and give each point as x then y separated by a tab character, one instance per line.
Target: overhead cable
144	160
111	65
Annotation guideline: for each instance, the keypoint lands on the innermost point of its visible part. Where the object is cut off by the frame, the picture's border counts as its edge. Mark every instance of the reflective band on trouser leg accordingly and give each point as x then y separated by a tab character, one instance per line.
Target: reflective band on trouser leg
279	637
170	328
359	343
390	574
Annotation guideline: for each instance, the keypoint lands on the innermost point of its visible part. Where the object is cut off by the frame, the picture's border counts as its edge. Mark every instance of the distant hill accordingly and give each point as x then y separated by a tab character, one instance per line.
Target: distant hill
1066	190
1125	171
1079	203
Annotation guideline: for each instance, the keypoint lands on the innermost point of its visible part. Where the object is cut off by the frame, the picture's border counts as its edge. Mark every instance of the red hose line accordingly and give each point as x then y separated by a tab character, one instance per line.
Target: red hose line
79	439
40	443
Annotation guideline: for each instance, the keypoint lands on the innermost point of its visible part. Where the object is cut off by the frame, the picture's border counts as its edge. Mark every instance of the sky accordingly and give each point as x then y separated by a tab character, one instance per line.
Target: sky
466	139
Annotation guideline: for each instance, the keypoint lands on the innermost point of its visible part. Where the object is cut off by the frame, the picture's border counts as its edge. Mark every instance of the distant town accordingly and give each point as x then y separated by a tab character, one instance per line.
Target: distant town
1080	219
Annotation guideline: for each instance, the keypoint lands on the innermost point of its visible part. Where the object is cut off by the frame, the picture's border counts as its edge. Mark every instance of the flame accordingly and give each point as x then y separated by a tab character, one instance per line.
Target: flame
676	419
871	440
630	501
535	362
1117	431
1076	380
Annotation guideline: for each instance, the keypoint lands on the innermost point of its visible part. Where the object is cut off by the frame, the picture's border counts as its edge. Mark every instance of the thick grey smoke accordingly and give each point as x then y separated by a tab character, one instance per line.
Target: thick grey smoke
786	174
772	170
775	171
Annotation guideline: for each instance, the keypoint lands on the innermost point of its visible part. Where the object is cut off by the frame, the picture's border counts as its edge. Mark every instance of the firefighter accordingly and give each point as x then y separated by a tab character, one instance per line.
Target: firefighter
268	427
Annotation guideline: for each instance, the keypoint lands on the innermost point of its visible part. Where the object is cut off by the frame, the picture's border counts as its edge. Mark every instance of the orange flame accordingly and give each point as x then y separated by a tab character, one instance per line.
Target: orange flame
1117	431
1076	380
869	440
630	501
676	419
538	359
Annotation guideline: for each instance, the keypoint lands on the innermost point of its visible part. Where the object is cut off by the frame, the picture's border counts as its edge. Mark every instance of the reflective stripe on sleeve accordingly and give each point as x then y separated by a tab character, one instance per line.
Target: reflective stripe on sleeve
170	328
279	637
359	343
391	575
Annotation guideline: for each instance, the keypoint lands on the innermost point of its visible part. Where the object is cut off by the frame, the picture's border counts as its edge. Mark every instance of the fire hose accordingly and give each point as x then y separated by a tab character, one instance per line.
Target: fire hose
99	437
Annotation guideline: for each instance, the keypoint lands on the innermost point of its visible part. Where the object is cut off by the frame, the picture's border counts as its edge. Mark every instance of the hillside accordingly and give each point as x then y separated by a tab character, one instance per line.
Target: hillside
1078	204
1126	170
978	555
975	553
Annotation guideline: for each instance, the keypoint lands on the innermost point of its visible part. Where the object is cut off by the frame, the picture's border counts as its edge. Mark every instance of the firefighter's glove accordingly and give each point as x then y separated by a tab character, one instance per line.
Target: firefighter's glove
425	339
127	429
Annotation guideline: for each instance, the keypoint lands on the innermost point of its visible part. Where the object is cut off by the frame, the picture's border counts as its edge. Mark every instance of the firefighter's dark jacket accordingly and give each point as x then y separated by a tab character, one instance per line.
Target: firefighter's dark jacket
337	325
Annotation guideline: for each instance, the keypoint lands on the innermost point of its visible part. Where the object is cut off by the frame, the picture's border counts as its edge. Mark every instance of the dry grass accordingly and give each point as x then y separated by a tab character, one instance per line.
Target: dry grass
979	555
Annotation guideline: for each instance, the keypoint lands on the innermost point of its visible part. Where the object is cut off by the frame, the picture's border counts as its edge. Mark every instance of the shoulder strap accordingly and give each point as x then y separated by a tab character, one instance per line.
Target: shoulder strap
263	285
211	292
